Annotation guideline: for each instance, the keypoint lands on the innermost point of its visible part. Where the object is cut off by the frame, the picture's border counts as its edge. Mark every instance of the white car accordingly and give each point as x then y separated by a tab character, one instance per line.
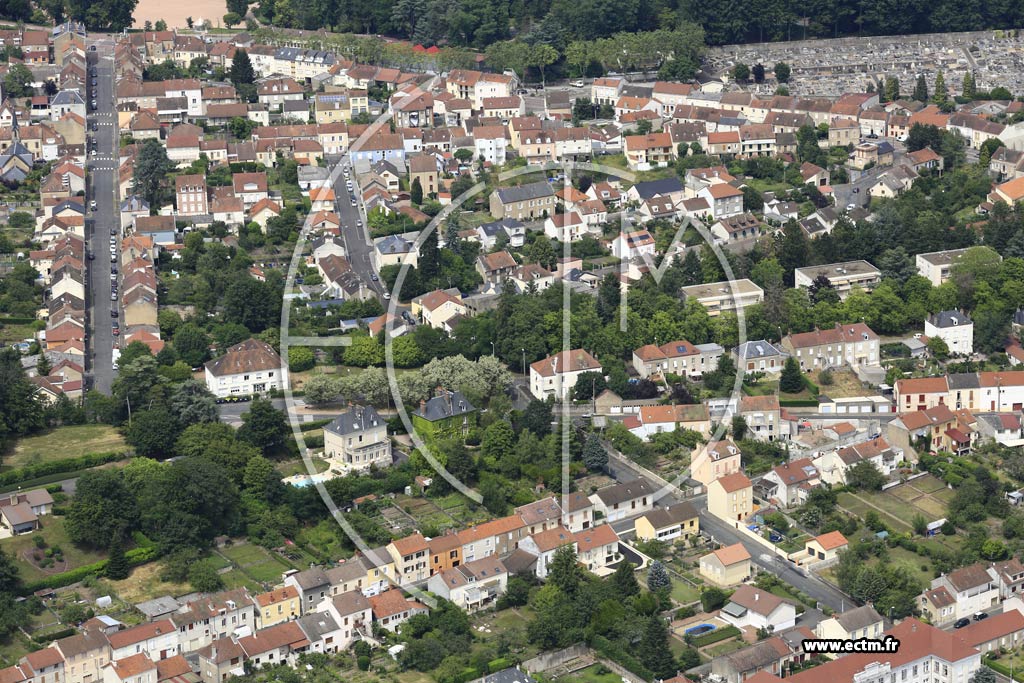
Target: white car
92	205
578	84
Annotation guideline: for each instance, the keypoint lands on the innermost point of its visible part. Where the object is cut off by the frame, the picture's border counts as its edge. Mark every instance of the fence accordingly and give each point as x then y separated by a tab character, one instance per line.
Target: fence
549	660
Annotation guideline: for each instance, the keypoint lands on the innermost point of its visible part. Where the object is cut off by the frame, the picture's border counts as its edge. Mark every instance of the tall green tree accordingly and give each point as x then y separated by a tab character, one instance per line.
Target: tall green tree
264	426
968	87
892	88
654	650
657	577
416	192
791	381
242	72
595	457
118	566
921	89
151	168
941	95
102	509
782	72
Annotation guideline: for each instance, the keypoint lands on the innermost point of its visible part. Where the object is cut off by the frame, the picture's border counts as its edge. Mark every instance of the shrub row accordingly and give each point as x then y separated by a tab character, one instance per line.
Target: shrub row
797	402
135	557
43	469
715	636
607	648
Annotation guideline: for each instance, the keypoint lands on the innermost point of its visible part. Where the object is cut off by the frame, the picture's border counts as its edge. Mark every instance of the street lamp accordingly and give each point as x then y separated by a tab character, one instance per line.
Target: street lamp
492	349
524	361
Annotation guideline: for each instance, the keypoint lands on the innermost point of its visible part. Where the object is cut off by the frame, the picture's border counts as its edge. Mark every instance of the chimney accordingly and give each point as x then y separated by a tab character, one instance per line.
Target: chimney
423	405
757	596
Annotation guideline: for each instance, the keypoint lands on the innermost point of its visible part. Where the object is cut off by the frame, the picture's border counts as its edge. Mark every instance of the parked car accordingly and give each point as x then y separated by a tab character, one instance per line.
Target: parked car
980	616
960	623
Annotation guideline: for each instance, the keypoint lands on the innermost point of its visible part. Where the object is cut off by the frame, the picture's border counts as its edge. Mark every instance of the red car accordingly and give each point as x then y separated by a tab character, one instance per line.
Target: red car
116	331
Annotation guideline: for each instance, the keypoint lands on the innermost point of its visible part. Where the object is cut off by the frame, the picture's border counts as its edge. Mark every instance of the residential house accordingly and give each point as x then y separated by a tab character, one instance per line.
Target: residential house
471	586
654	419
357	440
973	588
523	202
447	415
727	566
391	609
953	327
713	460
937	266
678	358
556	375
826	547
680	520
853	624
842	277
597	548
544	544
760	356
793	481
437	307
852	345
278	605
622	500
313	586
247	368
731	497
758	609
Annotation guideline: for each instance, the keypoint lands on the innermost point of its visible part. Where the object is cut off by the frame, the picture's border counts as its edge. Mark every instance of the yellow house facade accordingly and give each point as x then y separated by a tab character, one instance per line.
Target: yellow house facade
277	606
731	497
727	566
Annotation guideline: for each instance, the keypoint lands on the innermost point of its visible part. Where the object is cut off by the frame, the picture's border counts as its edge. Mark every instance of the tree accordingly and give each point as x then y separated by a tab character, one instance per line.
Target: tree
416	192
791	381
758	71
18	81
117	565
624	580
941	93
565	573
151	168
152	433
654	650
10	580
921	89
102	509
232	19
920	524
892	88
657	577
782	72
204	577
865	476
713	598
984	675
264	426
191	344
740	72
300	359
241	72
537	418
938	348
969	88
739	427
320	389
498	440
595	457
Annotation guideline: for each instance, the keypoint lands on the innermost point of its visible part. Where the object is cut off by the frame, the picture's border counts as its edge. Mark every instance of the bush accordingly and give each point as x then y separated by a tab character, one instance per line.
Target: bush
43	469
363	662
715	636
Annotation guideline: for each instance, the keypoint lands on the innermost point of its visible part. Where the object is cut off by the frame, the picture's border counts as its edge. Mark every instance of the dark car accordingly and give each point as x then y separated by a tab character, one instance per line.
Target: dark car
960	623
92	256
980	616
113	313
94	126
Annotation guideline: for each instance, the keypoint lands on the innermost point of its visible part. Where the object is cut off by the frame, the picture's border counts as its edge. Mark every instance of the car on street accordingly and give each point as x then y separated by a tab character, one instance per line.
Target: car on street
94	105
92	256
92	48
353	201
980	616
113	296
113	269
92	205
387	296
578	84
960	623
94	125
115	331
113	312
113	232
374	277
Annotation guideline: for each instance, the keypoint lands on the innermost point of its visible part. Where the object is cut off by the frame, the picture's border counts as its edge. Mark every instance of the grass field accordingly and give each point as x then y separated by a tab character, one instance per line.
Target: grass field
10	334
244	554
725	648
55	535
258	564
144	583
64	442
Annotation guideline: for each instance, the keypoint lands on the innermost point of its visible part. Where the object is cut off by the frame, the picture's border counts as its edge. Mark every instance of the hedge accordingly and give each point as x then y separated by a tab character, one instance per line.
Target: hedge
608	649
43	469
135	557
48	638
314	441
797	402
715	636
1003	669
315	424
17	321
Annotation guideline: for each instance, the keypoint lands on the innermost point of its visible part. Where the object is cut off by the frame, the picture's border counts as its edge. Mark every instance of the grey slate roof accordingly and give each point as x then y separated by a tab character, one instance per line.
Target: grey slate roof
510	675
523	193
359	419
666	517
311	578
394	244
944	319
758	349
624	491
317	624
858	618
451	404
652	188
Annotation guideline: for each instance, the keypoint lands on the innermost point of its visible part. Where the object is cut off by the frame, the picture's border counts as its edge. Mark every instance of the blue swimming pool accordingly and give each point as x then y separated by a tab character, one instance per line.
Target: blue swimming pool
700	629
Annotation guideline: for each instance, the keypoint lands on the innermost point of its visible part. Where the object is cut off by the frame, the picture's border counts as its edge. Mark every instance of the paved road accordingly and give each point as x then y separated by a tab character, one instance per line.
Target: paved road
845	194
102	168
724	534
358	244
825	593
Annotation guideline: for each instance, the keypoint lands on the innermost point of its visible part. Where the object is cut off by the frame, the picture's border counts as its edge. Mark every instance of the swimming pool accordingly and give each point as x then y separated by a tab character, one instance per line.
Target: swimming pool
700	629
302	481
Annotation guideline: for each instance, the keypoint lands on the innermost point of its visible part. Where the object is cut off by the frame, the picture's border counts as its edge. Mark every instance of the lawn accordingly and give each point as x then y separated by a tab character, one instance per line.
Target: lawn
10	334
719	649
53	532
64	442
236	579
890	509
844	384
928	484
267	572
292	467
596	673
902	557
684	593
243	554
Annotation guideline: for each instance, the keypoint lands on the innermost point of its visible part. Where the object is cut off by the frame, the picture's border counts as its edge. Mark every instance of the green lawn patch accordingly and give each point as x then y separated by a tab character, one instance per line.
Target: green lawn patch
268	572
64	442
597	673
243	554
22	549
724	648
684	593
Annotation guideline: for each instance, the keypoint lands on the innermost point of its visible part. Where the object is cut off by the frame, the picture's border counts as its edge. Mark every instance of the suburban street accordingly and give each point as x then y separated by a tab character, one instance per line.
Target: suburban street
358	244
102	184
721	532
